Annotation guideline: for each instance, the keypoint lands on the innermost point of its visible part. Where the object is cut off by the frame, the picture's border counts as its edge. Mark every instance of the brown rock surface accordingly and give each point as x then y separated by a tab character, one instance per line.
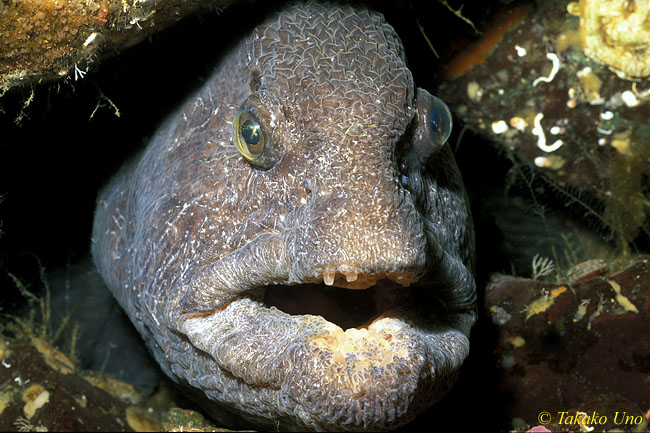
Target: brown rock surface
44	40
580	347
530	85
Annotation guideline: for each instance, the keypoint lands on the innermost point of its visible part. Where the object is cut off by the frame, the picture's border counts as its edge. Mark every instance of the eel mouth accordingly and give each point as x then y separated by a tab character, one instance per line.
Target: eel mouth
347	298
370	358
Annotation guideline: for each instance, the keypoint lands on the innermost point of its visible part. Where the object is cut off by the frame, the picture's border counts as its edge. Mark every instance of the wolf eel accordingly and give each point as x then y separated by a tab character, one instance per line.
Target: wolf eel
307	165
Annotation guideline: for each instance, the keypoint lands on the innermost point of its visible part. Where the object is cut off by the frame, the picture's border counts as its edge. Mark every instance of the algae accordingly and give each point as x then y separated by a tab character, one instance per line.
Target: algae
35	322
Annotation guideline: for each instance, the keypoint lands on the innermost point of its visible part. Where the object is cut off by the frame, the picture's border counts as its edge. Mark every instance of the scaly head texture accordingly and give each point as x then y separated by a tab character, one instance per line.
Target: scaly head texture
332	195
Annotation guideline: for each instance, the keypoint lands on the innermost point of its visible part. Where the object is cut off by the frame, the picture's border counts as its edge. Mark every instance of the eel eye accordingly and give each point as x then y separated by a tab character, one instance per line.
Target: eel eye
440	121
431	127
248	135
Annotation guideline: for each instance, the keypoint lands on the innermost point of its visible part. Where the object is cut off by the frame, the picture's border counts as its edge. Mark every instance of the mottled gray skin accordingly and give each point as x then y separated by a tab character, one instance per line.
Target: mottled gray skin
188	236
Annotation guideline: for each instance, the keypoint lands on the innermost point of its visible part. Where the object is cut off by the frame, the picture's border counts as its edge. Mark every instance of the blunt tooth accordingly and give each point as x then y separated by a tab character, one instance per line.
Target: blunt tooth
351	276
328	278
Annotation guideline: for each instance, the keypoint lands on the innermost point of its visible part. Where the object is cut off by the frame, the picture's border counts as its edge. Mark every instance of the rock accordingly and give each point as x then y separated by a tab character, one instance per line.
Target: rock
540	90
571	348
52	39
37	396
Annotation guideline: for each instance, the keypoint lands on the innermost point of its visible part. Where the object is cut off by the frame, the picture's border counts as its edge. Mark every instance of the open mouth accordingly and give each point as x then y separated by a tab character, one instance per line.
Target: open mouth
335	356
344	307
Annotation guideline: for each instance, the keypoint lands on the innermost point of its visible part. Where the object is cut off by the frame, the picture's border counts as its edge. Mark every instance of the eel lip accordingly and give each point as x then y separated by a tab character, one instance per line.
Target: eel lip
372	377
343	359
369	359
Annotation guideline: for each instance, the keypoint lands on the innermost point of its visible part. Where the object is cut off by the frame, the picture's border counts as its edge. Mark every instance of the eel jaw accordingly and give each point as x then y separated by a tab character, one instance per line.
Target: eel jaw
377	376
352	277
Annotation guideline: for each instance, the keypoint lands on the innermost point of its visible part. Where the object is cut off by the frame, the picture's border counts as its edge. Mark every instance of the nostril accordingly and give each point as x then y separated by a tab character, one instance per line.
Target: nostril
307	184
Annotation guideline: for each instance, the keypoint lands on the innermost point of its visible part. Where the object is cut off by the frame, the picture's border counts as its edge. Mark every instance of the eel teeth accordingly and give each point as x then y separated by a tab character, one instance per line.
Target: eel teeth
350	272
350	276
328	278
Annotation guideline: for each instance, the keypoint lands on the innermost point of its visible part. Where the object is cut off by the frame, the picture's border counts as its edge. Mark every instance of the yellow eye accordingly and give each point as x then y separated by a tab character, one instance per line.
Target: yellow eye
248	135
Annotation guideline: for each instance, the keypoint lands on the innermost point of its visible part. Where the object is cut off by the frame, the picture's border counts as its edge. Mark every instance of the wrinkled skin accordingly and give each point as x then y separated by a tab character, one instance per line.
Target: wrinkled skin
200	246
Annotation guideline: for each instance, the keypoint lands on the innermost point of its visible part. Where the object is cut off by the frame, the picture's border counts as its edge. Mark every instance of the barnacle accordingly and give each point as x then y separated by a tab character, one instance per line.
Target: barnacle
616	33
34	397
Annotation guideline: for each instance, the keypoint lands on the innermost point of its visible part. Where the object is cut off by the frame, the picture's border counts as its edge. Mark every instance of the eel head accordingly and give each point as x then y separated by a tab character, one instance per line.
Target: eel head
301	242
